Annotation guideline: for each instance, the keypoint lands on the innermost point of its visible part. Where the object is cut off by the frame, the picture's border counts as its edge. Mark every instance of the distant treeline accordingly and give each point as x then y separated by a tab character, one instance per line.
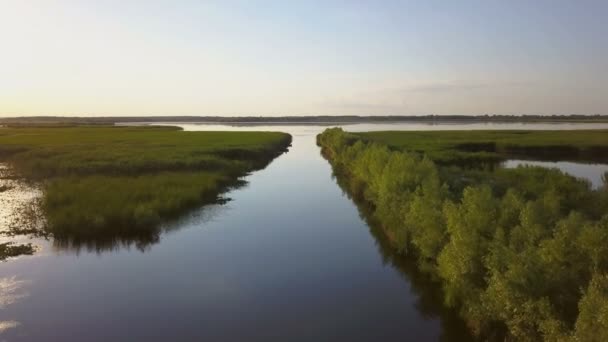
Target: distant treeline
63	120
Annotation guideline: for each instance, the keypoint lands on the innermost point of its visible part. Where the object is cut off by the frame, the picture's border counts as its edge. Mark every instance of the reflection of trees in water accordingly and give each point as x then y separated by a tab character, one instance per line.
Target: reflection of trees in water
429	296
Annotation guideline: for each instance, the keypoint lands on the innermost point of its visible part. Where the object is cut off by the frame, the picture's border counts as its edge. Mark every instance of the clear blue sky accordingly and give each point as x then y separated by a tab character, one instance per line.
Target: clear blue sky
303	57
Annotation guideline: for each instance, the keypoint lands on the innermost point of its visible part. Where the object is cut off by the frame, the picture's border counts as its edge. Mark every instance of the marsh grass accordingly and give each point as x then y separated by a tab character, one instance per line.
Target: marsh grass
40	153
124	181
125	203
479	146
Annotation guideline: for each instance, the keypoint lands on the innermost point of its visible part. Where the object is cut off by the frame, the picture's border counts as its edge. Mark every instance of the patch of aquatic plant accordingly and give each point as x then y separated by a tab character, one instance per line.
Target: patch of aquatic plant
121	181
124	204
523	250
11	250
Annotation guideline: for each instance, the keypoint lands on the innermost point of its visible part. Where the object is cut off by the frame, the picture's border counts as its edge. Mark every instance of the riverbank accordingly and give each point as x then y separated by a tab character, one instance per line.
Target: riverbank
512	248
122	181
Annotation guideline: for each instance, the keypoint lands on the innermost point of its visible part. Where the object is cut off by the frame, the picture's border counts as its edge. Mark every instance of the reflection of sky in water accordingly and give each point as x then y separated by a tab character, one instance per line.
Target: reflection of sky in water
591	172
10	292
5	325
16	196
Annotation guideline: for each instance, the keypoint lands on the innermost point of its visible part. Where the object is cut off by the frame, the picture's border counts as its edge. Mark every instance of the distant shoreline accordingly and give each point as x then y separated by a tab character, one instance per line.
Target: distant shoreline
302	120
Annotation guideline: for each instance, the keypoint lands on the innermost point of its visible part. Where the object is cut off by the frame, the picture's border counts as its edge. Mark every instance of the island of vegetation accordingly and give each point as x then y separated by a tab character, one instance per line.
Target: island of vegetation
9	249
522	253
122	181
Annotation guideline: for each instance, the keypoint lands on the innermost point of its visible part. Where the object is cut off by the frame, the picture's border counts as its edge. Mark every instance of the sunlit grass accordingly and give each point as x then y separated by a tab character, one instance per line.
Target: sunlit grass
481	145
123	180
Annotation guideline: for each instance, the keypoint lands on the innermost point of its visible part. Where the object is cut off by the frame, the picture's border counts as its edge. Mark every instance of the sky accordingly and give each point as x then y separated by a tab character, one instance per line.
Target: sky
126	58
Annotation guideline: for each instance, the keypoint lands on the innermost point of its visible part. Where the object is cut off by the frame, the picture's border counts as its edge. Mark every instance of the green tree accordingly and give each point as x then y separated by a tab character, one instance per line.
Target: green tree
592	322
470	226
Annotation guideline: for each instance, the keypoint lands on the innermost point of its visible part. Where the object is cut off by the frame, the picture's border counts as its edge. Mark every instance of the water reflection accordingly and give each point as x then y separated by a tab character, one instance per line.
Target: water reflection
141	241
16	200
5	325
17	209
429	296
11	290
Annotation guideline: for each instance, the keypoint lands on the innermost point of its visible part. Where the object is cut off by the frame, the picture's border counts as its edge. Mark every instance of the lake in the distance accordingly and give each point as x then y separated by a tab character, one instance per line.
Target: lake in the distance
288	258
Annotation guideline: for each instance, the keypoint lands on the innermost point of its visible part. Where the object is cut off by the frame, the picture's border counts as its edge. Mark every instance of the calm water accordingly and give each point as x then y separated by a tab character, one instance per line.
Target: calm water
288	258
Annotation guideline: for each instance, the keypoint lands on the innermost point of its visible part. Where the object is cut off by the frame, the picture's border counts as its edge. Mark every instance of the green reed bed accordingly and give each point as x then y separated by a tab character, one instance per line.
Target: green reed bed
521	253
481	145
123	180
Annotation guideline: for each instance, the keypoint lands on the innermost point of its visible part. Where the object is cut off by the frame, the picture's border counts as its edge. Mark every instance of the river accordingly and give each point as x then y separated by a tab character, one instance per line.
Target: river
288	257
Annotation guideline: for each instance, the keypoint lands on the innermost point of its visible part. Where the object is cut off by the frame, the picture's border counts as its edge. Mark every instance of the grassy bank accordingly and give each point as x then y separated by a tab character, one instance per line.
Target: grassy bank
518	250
125	180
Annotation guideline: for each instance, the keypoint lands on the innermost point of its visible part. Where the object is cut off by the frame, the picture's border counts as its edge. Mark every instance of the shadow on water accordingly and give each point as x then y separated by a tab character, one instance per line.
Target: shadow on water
429	300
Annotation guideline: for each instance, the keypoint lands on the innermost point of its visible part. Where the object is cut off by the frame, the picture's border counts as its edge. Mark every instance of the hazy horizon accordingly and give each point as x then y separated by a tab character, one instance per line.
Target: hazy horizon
275	58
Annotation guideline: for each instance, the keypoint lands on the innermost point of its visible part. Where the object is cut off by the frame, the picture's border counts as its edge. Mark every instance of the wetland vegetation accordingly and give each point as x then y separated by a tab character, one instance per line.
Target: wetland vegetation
123	181
521	252
473	147
9	249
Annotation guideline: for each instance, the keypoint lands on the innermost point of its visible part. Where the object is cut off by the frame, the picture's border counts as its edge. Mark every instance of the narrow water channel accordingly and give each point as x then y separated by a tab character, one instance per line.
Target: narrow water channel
289	257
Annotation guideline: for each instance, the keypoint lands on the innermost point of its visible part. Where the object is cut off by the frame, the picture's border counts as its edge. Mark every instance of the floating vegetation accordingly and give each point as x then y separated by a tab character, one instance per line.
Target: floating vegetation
11	250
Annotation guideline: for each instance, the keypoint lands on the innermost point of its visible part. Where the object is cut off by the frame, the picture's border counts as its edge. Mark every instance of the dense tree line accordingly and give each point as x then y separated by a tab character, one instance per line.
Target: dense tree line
524	250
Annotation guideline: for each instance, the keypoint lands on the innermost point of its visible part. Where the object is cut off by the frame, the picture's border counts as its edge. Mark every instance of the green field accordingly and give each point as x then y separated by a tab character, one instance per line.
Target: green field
125	180
461	146
520	252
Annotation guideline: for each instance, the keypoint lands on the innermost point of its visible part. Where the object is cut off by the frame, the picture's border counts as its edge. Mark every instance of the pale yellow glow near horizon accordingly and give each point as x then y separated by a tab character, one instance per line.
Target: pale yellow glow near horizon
190	58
